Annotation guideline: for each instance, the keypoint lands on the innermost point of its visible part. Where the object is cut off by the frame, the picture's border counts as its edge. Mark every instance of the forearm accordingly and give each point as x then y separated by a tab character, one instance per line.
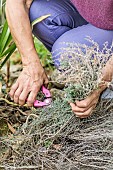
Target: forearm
18	20
107	71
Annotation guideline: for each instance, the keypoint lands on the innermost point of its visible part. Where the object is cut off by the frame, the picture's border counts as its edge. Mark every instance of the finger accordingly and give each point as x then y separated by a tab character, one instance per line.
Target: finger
32	96
78	109
82	117
86	113
89	100
17	94
23	96
46	82
13	89
75	108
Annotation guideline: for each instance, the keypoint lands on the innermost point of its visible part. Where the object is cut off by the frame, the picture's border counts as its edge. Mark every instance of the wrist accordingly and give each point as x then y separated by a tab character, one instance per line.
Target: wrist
33	70
30	59
33	67
107	72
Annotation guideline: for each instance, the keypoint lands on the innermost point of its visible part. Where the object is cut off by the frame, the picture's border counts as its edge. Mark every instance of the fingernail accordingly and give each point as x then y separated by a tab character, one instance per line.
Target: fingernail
11	98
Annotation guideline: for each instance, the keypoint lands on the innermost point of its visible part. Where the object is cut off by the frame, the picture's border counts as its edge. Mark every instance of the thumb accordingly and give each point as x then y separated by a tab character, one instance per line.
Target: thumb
46	81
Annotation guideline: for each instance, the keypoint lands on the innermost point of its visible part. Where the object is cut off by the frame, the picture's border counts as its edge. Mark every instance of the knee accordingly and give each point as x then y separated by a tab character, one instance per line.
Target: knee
40	8
34	10
44	30
58	49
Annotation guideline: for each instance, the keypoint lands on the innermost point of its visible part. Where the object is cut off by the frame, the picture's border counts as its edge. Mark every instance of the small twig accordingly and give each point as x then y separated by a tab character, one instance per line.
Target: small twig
8	72
11	128
11	103
28	120
20	167
23	113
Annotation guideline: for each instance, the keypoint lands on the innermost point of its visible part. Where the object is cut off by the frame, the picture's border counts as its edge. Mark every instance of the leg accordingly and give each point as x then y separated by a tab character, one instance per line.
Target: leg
79	34
64	17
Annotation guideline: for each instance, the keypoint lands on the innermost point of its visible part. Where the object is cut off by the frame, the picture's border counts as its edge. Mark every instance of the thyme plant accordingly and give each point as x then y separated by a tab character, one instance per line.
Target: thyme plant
81	68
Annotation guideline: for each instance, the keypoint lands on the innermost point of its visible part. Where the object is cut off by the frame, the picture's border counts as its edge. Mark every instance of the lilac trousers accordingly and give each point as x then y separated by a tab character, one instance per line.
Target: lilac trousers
64	25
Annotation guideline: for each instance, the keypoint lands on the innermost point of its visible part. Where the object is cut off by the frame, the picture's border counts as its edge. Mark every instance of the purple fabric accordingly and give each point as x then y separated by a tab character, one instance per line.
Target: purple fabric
64	17
97	12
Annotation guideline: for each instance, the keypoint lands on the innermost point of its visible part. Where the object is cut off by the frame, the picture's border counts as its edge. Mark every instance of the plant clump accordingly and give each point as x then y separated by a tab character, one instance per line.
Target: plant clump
81	68
52	138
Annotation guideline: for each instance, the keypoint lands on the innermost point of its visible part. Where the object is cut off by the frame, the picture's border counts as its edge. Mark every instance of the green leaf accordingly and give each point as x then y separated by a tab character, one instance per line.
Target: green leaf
9	40
7	57
13	46
4	30
40	19
4	37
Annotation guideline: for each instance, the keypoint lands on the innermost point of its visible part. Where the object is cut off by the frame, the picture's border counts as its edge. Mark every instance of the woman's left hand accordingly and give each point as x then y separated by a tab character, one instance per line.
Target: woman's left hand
85	107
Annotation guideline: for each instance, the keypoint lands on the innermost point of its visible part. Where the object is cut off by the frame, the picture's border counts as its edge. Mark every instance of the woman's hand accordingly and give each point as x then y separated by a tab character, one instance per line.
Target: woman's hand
28	84
85	107
33	76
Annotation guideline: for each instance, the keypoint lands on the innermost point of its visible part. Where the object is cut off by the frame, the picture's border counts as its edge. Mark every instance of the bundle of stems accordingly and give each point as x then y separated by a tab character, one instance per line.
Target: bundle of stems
81	68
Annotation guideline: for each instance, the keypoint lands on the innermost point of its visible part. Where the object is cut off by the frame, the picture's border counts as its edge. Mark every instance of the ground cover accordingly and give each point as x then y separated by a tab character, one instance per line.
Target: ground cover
53	138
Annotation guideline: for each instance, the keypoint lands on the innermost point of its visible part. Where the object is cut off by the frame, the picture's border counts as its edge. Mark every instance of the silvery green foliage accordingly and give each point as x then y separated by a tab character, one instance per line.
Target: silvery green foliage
52	137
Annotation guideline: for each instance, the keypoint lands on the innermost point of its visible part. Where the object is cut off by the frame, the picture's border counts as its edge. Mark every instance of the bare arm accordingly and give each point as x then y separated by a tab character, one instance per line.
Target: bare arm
18	20
32	76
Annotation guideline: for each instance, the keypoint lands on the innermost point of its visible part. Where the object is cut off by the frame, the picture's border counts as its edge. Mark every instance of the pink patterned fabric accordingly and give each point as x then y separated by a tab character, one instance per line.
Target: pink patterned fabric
97	12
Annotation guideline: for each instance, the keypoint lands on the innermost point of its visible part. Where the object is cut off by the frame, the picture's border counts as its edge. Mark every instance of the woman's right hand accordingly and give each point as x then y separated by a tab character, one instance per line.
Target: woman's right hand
28	84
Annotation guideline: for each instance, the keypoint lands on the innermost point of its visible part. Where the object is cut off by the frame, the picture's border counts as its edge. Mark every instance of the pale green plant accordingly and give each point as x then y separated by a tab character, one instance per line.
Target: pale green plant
52	138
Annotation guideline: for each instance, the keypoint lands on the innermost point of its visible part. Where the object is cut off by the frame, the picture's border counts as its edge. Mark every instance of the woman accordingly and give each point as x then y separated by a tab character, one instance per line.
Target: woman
69	22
